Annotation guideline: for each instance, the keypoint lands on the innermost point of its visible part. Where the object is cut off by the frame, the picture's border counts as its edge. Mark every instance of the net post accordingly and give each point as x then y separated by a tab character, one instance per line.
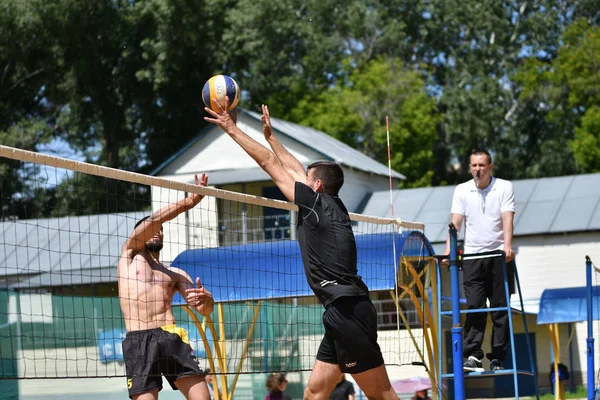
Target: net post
591	384
457	332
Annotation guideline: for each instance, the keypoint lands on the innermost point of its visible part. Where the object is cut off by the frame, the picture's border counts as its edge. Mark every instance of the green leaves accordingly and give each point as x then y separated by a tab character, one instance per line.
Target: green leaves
566	94
120	81
586	143
355	111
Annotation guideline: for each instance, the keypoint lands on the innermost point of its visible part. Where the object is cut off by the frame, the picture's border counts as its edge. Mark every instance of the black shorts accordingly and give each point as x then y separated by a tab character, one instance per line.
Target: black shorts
153	353
350	335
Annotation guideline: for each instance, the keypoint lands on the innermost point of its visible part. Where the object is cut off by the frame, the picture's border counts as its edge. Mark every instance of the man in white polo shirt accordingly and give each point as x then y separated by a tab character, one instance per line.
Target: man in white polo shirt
487	205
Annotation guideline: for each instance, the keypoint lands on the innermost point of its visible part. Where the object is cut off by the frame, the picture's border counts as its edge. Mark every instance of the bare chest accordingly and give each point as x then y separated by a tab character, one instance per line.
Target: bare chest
141	273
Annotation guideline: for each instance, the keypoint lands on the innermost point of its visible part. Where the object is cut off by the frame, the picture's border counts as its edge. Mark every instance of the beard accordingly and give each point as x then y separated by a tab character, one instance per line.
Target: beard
154	246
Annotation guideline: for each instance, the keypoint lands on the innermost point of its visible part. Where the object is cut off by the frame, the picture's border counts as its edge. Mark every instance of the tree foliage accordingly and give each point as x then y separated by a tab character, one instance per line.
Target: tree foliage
118	81
355	112
566	92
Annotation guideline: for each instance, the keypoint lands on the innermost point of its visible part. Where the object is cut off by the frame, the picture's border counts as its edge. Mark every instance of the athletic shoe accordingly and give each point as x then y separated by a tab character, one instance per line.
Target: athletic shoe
473	364
496	365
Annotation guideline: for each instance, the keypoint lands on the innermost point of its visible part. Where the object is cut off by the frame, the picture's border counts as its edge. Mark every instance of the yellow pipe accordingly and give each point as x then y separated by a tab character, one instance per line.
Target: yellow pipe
407	325
209	355
559	391
245	350
436	306
421	289
220	359
415	301
222	342
410	285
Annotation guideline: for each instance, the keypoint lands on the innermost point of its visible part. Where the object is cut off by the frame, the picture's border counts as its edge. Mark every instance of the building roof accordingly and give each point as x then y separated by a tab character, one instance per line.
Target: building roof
64	245
71	277
329	147
545	205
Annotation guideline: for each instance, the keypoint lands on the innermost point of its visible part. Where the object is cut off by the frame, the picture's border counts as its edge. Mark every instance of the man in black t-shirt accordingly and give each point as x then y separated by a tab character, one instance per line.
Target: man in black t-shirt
328	252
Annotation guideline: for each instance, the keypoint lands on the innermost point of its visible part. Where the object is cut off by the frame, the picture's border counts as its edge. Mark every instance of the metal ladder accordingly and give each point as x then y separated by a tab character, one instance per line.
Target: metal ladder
455	260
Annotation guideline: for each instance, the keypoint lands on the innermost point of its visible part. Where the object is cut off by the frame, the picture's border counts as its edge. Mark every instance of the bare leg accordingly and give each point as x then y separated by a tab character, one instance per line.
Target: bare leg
152	395
322	381
376	384
193	388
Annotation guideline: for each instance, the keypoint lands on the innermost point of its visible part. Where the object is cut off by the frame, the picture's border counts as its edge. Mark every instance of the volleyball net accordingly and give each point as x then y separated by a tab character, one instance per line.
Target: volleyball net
62	229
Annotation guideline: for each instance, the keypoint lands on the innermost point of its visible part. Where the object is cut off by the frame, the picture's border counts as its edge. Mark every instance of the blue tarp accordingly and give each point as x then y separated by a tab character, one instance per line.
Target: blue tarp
567	305
274	269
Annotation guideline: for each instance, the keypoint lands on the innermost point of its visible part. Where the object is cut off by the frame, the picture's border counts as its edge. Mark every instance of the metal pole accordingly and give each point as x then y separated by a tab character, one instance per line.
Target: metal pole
591	385
457	337
440	331
510	327
529	344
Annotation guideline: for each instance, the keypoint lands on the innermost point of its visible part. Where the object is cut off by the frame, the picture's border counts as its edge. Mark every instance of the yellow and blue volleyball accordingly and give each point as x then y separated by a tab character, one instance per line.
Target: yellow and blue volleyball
218	87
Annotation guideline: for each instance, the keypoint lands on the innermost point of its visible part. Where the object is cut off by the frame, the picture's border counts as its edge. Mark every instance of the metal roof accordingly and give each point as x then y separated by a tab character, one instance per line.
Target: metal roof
318	141
72	277
545	205
64	244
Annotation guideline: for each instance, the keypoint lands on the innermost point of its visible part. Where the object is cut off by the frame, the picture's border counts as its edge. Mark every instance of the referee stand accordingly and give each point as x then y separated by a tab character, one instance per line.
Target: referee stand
458	374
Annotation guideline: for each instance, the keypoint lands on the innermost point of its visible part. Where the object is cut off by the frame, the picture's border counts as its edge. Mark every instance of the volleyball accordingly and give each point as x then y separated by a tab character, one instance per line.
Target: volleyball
218	87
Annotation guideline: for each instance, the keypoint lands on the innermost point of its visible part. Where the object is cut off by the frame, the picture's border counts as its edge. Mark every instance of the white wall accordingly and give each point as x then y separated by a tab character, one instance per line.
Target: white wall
357	184
554	261
217	151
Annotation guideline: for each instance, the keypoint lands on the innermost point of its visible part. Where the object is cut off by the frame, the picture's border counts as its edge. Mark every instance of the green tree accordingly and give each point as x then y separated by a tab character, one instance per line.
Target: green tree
355	113
466	51
26	119
565	92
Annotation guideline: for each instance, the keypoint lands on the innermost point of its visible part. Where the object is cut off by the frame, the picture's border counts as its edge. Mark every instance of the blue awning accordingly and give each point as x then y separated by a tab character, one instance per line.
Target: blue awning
274	269
567	305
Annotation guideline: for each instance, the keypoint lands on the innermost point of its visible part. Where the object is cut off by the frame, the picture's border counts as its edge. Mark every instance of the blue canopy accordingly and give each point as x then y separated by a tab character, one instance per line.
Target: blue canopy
567	305
275	270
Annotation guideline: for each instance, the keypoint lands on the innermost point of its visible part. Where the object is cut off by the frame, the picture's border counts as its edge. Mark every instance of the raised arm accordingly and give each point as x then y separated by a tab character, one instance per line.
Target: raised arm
264	157
151	225
287	160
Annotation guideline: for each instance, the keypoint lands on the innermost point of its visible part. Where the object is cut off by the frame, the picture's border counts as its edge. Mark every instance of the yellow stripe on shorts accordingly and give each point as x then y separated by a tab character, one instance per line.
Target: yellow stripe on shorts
173	328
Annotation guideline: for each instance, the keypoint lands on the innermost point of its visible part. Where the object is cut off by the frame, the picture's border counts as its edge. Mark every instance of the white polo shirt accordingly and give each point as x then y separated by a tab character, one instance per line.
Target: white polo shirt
482	210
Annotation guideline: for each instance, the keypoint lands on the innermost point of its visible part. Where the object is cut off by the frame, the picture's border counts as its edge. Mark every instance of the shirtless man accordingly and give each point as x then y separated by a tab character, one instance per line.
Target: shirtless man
154	345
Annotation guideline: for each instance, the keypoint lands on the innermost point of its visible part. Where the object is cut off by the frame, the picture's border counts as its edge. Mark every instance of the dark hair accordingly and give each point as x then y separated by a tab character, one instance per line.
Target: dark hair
330	173
274	382
142	220
478	152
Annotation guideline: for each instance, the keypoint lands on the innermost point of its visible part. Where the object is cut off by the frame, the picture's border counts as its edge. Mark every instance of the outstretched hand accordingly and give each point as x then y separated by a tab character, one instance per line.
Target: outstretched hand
198	296
222	117
203	181
266	121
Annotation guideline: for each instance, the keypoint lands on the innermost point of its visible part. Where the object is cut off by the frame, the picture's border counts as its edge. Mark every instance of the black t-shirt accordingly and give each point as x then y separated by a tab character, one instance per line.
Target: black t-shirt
342	390
327	245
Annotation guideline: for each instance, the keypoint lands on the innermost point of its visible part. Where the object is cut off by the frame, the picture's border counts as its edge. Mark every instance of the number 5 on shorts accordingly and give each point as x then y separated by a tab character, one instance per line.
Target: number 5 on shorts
129	383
